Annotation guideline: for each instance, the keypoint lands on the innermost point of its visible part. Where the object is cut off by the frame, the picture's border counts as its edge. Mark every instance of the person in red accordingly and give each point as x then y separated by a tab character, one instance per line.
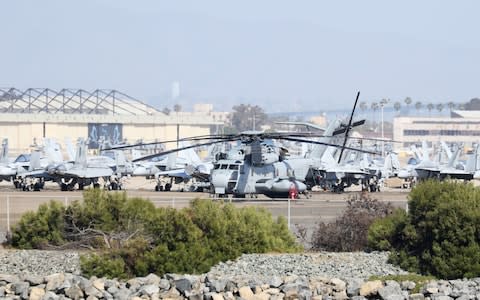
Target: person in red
293	192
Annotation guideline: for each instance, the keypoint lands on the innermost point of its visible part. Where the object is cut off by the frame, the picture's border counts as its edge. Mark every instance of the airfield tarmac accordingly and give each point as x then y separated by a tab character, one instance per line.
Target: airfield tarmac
321	207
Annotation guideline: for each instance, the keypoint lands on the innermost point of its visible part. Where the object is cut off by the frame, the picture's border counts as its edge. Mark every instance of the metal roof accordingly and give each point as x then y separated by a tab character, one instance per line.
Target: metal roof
72	101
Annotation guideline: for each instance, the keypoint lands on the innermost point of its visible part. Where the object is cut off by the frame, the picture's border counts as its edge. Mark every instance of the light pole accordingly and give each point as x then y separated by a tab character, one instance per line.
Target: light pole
382	104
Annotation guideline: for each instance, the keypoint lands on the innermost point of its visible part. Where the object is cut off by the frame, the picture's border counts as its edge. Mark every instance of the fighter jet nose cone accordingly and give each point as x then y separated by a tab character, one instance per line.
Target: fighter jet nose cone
140	171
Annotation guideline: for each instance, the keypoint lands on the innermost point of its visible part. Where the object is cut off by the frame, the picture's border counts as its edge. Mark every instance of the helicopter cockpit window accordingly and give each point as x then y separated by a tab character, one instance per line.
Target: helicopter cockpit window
233	167
223	167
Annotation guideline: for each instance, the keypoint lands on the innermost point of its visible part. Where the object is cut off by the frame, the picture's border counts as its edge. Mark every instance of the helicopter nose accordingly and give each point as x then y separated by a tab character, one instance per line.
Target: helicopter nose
219	179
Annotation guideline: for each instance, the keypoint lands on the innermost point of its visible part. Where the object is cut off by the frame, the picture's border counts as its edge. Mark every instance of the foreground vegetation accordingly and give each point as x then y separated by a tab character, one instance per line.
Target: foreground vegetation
439	236
130	237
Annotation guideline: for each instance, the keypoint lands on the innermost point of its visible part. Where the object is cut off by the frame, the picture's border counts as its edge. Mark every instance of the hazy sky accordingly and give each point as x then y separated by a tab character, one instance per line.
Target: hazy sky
281	55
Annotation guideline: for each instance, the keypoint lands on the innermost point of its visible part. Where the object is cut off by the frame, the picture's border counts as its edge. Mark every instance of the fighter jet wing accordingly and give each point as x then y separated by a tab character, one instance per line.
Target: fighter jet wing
179	173
35	174
88	172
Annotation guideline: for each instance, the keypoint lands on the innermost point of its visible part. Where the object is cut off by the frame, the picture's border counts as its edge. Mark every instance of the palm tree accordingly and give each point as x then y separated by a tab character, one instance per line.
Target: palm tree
418	105
177	108
408	101
363	106
439	107
397	106
374	106
430	106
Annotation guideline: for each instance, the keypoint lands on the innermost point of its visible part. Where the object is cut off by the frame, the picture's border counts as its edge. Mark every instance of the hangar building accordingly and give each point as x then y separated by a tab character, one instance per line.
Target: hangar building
101	115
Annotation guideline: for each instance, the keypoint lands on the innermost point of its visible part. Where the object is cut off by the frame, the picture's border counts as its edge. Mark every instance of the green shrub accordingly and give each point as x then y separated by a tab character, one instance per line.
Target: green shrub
133	238
440	236
41	229
194	239
94	264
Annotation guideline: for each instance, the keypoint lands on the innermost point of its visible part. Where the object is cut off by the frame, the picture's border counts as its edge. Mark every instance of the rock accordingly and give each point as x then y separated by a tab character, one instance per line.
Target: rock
152	279
231	286
358	298
195	297
340	295
338	284
54	281
395	297
164	284
33	279
89	289
353	287
99	284
216	296
74	292
431	290
9	278
272	291
391	289
370	288
91	298
149	289
36	293
106	295
173	293
133	285
275	282
182	285
280	296
121	293
229	296
20	288
218	285
408	285
245	292
49	295
291	295
261	296
441	297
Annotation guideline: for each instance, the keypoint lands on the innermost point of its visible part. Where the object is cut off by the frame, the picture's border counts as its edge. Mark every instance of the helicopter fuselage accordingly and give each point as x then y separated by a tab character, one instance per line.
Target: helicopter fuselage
273	179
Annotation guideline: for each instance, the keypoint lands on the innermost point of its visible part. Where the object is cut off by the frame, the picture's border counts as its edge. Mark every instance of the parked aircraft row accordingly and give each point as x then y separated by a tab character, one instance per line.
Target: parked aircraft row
256	166
258	163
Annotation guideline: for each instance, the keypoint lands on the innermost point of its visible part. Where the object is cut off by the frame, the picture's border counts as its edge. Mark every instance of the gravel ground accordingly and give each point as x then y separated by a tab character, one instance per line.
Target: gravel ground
327	264
346	265
39	262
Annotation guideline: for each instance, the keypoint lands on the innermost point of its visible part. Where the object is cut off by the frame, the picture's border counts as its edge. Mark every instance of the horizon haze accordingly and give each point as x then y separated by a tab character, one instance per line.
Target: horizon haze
283	56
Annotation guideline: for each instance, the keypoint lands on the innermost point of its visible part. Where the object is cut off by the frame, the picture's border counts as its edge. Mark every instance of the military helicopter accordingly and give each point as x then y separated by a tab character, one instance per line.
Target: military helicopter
258	167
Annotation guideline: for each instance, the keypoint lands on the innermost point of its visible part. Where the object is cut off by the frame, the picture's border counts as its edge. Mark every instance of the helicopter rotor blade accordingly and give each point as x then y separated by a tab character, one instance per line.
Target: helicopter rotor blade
344	129
348	128
180	149
246	137
330	144
187	139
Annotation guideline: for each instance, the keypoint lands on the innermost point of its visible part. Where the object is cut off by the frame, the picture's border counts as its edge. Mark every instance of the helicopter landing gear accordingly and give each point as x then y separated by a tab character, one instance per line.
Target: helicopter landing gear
338	187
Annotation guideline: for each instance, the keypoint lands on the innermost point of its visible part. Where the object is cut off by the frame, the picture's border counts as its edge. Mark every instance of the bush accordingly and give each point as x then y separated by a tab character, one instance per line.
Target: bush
349	232
133	238
42	229
93	264
440	235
